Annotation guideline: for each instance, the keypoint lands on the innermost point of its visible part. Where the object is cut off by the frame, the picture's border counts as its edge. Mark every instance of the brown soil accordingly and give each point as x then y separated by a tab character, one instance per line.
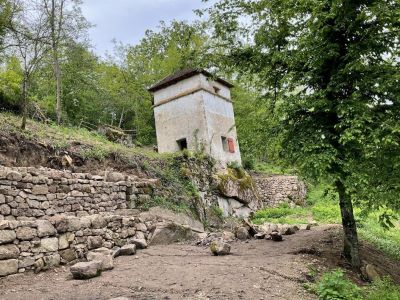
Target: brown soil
257	269
18	151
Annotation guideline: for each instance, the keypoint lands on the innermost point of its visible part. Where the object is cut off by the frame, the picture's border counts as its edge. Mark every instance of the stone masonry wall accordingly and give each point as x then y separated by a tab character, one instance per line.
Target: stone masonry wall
39	192
41	244
274	190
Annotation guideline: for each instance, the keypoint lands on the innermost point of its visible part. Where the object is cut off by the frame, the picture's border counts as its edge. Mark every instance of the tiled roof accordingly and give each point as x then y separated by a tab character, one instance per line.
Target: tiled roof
183	74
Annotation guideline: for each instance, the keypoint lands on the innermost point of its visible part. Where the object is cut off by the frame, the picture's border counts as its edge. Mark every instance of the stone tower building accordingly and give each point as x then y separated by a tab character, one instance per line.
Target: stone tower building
193	110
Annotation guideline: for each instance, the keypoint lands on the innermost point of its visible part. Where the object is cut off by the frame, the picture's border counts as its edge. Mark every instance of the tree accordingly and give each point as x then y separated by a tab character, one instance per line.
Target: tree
65	24
27	38
333	70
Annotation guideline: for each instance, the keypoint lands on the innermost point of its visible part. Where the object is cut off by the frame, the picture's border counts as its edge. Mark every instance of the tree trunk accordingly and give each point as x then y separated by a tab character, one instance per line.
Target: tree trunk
57	74
56	60
24	101
351	247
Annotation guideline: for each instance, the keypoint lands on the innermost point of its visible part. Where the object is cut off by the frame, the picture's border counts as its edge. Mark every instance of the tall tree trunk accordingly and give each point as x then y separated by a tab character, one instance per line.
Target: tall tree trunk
56	60
57	74
351	247
24	101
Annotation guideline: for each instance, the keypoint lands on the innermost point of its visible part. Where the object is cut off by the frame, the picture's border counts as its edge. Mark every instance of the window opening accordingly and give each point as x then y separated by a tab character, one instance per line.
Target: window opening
182	144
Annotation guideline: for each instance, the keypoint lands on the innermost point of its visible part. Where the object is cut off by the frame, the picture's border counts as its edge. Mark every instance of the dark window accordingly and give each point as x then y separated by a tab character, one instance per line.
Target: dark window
224	141
216	89
182	144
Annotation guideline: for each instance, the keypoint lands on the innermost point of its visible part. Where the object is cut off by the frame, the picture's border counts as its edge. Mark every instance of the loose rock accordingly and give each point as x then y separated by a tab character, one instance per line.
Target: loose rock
129	249
276	236
220	248
86	270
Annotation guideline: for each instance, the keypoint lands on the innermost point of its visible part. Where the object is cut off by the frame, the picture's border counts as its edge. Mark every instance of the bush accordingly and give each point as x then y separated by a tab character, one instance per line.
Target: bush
336	286
383	289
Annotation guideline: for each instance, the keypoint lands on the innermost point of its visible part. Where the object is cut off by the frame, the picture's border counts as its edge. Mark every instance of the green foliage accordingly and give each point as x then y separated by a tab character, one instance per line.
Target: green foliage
282	214
164	202
387	240
384	289
329	71
335	286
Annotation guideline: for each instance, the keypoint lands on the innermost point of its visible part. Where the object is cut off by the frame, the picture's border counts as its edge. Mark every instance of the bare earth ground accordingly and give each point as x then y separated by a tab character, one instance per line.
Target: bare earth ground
257	269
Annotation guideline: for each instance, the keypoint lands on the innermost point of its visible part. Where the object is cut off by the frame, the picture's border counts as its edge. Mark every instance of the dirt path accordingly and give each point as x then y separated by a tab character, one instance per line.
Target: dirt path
258	269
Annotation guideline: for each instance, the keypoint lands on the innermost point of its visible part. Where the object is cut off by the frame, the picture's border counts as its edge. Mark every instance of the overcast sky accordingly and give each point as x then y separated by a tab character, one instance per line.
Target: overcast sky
127	20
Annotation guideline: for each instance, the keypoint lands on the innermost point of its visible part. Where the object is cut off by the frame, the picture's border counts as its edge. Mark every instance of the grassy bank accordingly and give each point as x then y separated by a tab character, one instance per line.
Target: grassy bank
322	206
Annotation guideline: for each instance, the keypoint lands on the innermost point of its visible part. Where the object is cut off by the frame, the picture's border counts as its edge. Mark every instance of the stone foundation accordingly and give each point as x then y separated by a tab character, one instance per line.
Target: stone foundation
277	189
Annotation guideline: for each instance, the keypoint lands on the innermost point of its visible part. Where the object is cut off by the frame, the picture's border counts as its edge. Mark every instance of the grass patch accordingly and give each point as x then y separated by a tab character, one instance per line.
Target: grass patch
272	169
335	285
62	137
164	202
282	214
387	240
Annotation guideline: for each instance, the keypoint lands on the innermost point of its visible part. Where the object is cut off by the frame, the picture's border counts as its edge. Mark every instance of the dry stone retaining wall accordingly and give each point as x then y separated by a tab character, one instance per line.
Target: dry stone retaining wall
274	190
42	244
40	192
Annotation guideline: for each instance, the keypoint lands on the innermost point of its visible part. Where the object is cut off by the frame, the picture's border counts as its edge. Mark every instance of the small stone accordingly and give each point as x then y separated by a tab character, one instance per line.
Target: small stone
5	210
220	248
242	233
140	243
45	228
371	272
40	190
129	249
8	267
86	270
276	236
141	227
14	176
68	255
2	199
114	177
7	236
26	233
49	244
51	260
94	242
9	251
26	262
260	235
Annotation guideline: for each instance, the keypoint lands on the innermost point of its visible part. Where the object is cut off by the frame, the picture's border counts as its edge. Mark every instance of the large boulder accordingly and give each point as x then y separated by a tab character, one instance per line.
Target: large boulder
104	256
220	248
86	270
168	233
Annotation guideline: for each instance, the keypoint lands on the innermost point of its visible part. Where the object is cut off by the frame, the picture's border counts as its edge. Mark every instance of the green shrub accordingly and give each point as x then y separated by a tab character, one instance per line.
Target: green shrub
383	289
282	214
326	212
336	286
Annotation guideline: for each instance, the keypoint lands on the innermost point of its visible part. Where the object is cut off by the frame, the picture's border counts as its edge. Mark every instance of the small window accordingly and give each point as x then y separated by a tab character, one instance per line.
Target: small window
224	141
216	89
182	144
231	145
